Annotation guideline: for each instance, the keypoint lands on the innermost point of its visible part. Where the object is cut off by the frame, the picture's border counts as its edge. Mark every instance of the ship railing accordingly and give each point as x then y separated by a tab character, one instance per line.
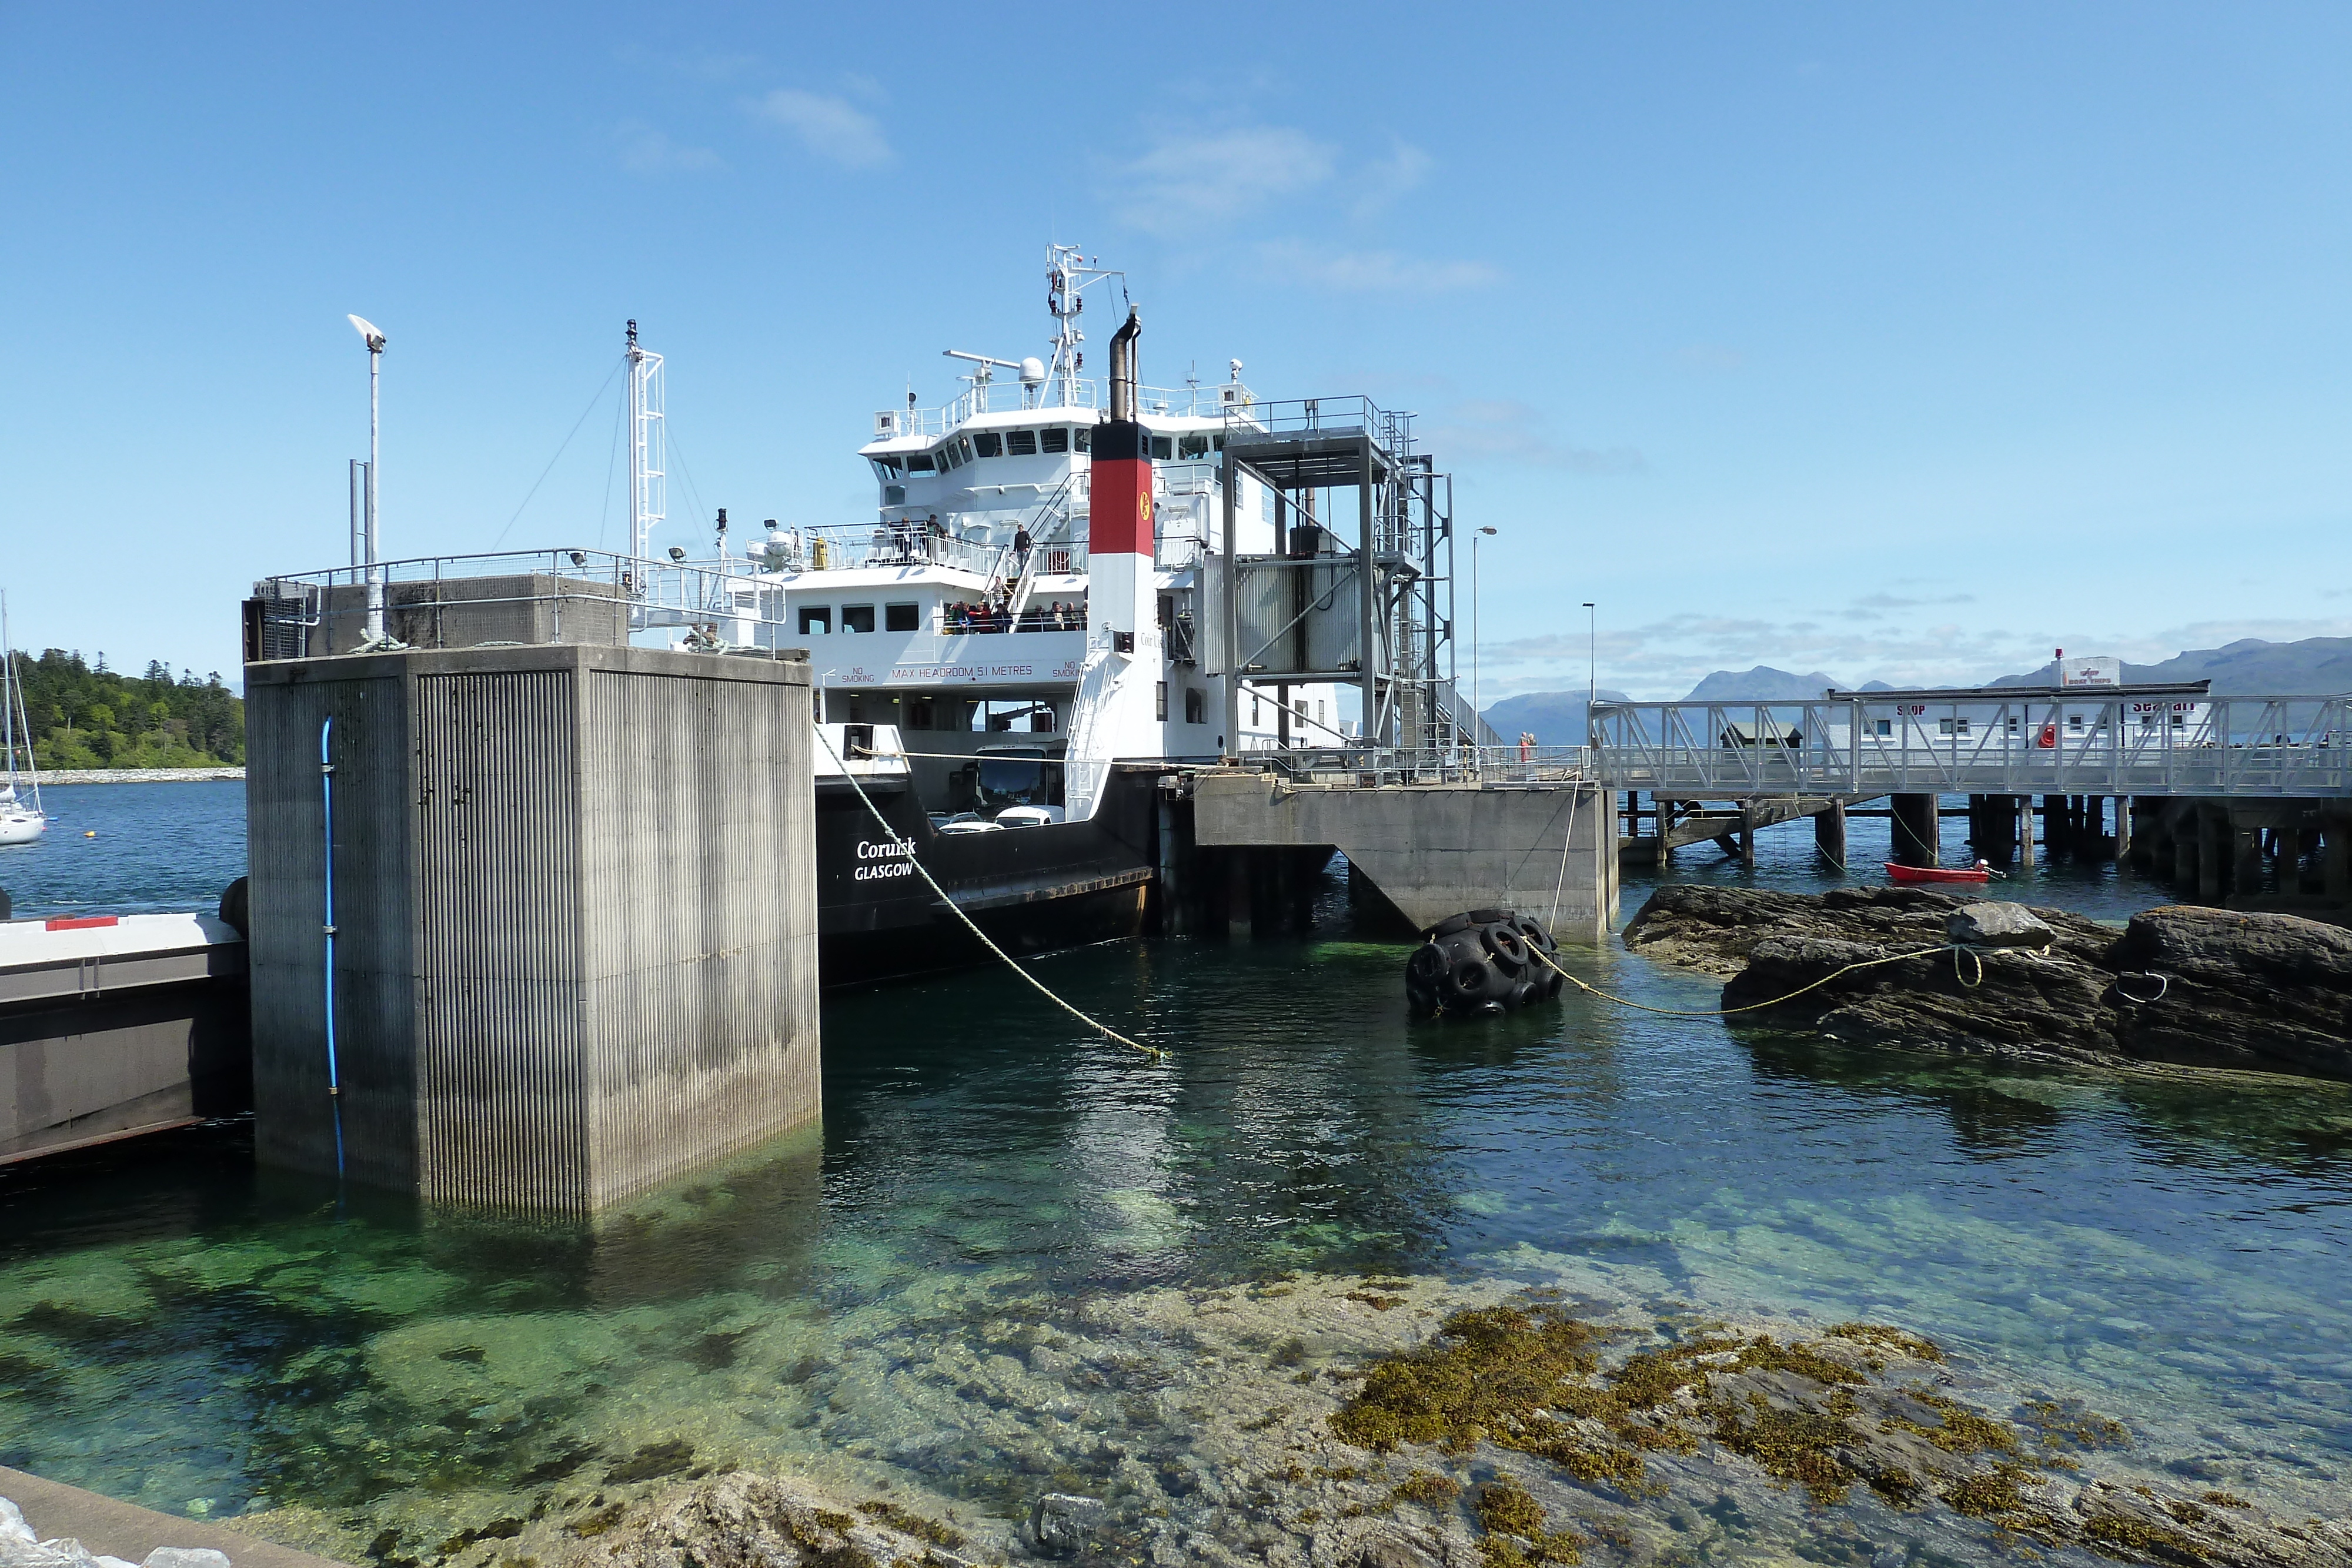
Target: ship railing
1351	415
980	620
1206	401
847	546
1369	767
505	599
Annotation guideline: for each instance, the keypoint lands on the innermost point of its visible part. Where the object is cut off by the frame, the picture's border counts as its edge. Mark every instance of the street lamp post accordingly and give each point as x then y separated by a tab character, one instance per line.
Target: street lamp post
1591	665
374	340
1478	716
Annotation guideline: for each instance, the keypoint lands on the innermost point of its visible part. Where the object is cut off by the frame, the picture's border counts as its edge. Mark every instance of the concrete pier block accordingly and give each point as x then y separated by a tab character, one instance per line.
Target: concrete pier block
575	917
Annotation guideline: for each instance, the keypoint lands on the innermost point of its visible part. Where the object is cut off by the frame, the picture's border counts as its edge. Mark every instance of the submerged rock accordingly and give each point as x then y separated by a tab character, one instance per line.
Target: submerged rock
2191	986
1062	1523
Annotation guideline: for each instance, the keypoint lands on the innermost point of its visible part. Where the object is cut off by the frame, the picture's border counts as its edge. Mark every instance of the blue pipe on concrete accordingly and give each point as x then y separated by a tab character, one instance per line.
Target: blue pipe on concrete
327	802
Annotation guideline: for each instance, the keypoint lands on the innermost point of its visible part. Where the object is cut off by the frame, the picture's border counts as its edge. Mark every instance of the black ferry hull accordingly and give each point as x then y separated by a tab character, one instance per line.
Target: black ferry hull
1031	890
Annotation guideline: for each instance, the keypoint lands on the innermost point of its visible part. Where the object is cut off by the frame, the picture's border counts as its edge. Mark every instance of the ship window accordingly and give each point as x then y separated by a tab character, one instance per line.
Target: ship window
988	443
894	495
1085	440
1021	444
963	451
1042	722
1161	447
857	618
1193	446
1217	443
901	617
1160	701
920	463
1057	439
918	713
816	620
1196	707
887	468
950	458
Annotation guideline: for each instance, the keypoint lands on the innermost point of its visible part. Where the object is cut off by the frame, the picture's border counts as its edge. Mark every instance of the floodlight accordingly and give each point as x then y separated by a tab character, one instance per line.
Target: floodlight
367	331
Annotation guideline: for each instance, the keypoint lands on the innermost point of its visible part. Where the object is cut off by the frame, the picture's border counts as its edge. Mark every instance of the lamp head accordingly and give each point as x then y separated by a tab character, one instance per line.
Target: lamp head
368	333
678	552
1489	532
580	557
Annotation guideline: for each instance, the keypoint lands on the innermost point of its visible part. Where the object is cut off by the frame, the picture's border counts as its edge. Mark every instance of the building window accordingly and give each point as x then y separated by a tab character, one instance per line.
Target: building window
1886	727
857	618
1057	439
1159	703
2074	721
816	620
1196	706
988	443
1253	713
1321	717
902	617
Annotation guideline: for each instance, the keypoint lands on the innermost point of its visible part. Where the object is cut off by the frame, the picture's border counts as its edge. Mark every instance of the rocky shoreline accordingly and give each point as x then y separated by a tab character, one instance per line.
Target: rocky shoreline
2189	986
140	775
1382	1422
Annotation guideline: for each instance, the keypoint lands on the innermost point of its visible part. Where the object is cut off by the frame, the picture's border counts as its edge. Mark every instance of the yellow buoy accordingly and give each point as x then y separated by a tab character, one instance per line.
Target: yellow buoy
91	835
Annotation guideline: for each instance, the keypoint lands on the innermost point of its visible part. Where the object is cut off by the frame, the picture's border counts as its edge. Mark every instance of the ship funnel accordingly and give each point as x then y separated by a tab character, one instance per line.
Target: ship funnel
1122	365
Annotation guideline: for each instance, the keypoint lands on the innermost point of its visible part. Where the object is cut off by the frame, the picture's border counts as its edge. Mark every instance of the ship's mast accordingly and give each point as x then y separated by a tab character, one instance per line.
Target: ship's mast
1067	276
648	448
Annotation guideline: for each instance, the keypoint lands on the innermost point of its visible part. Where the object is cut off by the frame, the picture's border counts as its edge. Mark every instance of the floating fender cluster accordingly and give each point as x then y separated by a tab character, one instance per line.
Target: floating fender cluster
1481	963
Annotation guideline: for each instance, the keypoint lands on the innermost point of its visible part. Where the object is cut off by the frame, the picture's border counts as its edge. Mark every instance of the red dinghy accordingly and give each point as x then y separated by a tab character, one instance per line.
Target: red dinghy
1981	871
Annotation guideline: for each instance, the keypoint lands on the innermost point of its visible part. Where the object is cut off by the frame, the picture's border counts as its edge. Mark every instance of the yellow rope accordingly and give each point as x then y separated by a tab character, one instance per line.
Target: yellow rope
1776	1001
921	870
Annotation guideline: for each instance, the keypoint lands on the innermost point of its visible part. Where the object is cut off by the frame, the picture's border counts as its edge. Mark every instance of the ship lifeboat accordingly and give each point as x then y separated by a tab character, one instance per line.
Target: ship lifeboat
1981	871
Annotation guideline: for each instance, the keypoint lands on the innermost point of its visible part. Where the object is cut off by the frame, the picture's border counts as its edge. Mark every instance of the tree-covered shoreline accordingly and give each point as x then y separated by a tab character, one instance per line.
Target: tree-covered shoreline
86	716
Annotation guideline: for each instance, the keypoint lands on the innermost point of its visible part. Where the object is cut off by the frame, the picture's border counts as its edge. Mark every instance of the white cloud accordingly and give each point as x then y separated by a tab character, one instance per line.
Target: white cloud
645	150
829	128
1384	181
1375	271
1498	430
1186	183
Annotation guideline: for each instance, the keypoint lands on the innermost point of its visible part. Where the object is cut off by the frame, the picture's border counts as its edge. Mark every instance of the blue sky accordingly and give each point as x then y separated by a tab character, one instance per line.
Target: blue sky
1888	341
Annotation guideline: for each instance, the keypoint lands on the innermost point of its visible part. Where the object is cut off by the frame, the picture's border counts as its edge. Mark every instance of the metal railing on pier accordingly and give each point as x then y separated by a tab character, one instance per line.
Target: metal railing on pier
507	598
2039	742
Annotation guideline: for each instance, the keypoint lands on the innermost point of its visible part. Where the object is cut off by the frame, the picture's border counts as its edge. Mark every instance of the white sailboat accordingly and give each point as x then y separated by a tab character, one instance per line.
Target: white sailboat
21	818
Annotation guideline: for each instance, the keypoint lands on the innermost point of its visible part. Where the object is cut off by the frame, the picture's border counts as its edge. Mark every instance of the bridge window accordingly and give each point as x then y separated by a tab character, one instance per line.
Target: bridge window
816	620
988	443
963	451
1193	446
887	469
1082	440
1057	439
1162	448
902	617
857	618
920	463
1021	444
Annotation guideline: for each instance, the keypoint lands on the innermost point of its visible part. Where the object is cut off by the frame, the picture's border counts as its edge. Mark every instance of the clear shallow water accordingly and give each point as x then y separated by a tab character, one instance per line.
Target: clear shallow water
2176	1248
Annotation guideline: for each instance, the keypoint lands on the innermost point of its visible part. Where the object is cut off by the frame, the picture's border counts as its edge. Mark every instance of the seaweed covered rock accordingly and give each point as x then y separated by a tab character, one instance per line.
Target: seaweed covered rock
1881	965
743	1520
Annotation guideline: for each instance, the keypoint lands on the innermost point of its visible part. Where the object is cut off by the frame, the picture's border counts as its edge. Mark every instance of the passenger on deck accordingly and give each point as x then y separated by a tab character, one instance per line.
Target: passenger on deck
1021	543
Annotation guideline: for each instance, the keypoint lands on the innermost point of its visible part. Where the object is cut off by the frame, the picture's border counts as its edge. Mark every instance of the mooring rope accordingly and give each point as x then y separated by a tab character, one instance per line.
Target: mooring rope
1956	949
922	871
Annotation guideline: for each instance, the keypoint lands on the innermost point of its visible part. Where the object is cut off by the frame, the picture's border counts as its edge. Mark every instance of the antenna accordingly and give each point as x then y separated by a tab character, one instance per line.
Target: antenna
1068	275
648	446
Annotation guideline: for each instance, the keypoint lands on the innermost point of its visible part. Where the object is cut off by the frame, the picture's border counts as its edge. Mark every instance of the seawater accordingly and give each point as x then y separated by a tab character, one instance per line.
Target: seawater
185	1330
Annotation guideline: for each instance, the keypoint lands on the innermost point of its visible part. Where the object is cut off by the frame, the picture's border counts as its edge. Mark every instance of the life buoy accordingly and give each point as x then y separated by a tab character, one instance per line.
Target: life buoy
2047	738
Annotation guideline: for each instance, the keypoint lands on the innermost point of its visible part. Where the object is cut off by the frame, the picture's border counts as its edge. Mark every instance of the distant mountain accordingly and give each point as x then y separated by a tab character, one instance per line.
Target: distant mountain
1762	684
2316	666
1554	718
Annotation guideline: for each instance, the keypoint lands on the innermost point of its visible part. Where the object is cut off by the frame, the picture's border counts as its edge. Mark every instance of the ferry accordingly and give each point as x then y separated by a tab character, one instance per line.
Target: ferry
1008	655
